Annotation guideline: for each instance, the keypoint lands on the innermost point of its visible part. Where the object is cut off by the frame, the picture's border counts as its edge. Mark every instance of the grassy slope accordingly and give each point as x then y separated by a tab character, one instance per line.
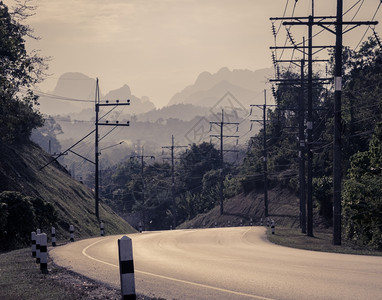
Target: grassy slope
74	202
283	208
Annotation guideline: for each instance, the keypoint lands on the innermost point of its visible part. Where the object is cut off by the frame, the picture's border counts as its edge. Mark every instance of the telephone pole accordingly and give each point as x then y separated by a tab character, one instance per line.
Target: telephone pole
265	155
98	104
325	22
142	160
221	124
172	148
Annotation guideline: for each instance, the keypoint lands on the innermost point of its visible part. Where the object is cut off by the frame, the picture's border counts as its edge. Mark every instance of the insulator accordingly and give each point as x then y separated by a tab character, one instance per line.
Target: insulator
273	29
273	57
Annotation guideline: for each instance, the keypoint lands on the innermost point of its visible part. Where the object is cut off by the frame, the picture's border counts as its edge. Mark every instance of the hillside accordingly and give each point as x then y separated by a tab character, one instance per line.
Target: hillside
208	88
73	201
283	209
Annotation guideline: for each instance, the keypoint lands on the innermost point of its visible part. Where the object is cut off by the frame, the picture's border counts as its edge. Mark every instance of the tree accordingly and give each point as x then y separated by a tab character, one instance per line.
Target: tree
362	201
19	72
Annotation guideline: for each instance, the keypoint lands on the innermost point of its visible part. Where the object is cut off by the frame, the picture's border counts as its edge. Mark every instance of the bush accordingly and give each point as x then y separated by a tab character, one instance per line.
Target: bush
19	216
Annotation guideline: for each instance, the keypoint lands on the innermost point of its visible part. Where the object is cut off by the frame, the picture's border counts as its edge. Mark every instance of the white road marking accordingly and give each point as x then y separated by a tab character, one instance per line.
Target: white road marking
172	279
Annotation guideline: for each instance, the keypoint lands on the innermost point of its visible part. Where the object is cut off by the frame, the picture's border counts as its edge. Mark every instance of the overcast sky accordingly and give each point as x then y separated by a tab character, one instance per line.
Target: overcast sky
158	47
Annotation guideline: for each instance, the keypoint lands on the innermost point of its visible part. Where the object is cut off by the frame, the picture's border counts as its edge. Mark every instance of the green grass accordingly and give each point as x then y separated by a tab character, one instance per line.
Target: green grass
322	241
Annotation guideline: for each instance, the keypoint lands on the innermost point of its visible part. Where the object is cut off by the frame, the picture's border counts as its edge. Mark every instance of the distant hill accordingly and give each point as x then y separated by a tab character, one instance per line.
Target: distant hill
20	171
75	92
208	88
184	112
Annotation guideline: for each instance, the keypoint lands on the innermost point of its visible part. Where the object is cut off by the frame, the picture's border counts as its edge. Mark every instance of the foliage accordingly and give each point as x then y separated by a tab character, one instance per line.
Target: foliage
362	201
46	136
19	71
20	215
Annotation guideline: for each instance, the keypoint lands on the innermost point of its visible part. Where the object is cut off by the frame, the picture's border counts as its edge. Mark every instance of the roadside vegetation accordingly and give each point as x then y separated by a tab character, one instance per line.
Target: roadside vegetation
322	241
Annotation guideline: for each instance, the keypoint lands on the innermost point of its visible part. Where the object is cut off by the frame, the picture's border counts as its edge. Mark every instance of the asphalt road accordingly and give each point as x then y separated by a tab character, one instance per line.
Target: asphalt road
225	263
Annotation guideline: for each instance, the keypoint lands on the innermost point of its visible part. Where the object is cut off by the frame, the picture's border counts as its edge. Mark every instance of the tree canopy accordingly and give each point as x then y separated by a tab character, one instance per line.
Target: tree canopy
19	72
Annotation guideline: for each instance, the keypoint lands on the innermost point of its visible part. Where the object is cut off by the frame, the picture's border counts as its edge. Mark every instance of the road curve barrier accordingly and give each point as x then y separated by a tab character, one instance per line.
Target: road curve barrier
126	268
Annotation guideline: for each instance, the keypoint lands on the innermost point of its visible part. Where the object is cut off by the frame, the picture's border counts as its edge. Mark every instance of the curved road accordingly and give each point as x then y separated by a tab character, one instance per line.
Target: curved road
225	263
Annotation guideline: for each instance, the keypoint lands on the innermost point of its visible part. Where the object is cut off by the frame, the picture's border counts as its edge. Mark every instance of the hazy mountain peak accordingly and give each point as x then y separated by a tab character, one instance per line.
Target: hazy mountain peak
209	87
122	93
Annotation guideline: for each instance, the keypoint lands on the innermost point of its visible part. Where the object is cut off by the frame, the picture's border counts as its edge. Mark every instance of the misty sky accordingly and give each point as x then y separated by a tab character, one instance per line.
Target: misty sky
158	47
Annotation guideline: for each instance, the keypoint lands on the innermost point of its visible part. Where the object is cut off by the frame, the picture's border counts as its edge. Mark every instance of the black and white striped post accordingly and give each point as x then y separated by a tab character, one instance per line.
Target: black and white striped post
43	252
38	233
71	231
33	238
140	227
251	222
126	268
53	231
273	226
261	222
102	228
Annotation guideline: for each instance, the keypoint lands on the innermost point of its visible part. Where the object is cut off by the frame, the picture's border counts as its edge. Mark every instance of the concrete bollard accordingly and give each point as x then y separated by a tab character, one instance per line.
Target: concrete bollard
71	231
33	238
273	226
38	246
43	253
53	231
102	229
126	268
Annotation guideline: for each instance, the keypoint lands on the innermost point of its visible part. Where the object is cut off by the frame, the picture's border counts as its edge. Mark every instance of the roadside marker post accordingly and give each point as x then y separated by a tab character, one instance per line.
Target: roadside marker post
53	237
102	229
43	253
38	246
71	231
261	222
33	238
273	226
126	268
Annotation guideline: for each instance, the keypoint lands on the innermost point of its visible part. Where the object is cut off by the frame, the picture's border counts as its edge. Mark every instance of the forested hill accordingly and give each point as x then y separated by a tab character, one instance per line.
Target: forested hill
31	198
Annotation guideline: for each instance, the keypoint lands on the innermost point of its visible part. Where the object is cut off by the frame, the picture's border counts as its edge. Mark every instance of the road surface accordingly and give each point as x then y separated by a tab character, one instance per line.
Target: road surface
225	263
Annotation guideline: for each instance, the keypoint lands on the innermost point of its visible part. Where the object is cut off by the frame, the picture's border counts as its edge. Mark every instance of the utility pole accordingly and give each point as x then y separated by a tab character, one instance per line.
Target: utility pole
98	104
221	124
172	148
265	152
301	119
310	128
142	160
337	172
323	22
